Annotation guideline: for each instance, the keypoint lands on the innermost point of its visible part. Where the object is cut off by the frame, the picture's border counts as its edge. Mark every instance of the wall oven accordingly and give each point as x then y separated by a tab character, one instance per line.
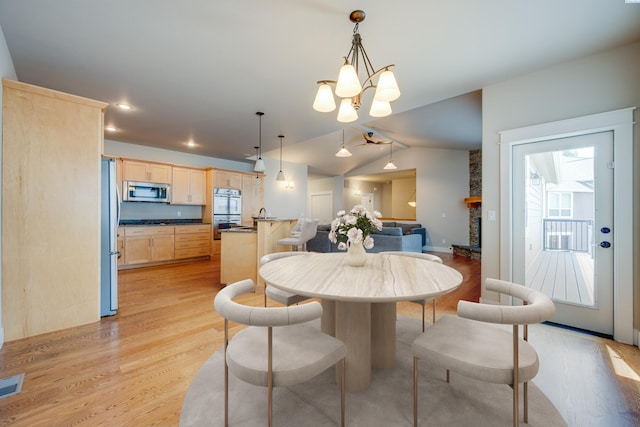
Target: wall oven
146	192
227	209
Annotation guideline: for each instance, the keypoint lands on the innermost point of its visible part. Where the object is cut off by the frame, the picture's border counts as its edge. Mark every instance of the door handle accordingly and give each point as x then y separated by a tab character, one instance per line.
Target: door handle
605	244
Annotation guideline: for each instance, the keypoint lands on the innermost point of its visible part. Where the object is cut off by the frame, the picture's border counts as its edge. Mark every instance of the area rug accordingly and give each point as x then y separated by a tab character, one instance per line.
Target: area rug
387	402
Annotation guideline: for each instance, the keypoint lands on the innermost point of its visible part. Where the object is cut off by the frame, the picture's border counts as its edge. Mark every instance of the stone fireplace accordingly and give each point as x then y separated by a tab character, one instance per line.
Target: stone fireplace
474	203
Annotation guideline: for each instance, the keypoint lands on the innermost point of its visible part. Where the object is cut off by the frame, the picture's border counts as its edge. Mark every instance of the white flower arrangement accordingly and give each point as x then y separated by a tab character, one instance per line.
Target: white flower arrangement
355	226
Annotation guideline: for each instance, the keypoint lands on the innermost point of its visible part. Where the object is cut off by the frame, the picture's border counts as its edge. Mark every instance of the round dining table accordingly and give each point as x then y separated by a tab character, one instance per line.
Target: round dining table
359	303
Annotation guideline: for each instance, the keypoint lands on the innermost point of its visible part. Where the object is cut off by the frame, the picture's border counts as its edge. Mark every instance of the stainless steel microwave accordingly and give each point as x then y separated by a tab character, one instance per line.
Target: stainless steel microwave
146	192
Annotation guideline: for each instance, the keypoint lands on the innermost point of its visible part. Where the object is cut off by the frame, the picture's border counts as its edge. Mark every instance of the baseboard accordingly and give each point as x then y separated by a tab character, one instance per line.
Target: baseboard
636	334
448	249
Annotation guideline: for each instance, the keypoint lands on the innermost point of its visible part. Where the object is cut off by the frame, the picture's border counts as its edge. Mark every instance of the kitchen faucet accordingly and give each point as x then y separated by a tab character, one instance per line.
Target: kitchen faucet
262	212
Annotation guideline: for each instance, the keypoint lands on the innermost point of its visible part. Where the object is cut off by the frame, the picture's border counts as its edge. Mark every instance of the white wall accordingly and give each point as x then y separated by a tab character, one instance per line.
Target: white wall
442	183
279	201
598	83
7	70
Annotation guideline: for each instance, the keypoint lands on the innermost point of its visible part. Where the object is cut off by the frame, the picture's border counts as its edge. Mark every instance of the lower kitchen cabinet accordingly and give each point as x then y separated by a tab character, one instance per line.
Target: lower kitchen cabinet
121	254
160	244
192	241
148	244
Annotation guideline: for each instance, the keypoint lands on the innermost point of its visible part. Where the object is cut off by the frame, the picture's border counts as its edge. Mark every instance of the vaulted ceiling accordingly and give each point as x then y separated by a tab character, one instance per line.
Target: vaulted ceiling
199	70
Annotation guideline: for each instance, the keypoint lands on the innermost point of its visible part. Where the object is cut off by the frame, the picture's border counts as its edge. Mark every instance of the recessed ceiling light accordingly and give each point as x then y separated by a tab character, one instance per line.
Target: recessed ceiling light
190	144
125	107
111	129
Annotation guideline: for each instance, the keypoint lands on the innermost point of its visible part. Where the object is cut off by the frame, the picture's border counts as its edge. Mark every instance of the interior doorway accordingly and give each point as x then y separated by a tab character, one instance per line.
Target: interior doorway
321	206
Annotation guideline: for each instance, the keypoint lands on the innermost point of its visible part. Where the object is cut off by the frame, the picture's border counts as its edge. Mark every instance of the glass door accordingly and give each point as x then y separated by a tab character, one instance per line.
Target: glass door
562	226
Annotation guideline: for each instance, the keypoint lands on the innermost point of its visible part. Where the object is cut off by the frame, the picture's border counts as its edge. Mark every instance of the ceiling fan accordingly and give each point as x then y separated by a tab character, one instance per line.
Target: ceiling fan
368	139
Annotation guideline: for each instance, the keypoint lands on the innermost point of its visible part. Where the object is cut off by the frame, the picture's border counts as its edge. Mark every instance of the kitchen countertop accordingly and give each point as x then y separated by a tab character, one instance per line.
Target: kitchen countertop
144	222
273	219
239	230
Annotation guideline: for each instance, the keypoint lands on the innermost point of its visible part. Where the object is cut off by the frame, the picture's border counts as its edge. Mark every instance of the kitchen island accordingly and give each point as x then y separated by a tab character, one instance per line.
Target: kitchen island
238	249
242	247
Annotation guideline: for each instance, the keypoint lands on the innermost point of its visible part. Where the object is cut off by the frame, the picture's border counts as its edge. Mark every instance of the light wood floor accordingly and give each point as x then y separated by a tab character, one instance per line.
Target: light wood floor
133	369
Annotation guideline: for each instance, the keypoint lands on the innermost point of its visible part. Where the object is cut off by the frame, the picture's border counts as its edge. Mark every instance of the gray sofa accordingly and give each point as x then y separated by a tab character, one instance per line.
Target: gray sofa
390	238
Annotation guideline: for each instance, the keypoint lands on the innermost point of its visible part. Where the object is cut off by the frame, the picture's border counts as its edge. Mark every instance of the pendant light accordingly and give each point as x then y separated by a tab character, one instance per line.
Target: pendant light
390	165
259	166
280	176
257	181
412	200
343	152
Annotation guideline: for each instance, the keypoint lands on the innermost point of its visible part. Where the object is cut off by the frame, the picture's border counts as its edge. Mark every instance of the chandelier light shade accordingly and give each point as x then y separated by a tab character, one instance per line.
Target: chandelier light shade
349	86
259	166
387	89
343	152
280	176
347	113
324	101
390	165
380	108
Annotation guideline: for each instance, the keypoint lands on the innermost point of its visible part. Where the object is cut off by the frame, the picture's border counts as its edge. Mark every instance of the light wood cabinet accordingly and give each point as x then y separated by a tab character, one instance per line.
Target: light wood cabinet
148	244
51	148
188	186
121	256
252	198
135	170
192	241
227	179
238	259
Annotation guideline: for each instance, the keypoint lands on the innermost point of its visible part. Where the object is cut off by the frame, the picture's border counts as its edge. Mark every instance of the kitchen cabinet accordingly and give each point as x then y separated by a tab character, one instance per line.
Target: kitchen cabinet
192	241
120	246
252	198
188	186
136	170
148	244
51	148
227	179
238	258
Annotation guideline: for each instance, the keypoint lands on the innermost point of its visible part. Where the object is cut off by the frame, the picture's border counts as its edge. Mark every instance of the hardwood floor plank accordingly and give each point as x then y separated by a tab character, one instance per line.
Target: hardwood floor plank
134	368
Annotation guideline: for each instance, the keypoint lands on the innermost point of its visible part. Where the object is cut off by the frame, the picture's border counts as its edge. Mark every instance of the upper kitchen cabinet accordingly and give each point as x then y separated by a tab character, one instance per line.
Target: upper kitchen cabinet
135	170
189	186
51	148
227	179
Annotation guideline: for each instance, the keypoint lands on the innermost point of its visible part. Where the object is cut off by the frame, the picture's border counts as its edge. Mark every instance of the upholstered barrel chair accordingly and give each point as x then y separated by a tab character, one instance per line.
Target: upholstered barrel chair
465	344
279	348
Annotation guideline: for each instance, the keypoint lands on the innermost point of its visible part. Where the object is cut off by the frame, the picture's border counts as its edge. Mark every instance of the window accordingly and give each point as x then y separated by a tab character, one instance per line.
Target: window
560	205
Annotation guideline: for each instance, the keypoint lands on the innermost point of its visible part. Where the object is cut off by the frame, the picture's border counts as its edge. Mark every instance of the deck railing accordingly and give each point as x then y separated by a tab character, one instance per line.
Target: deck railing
568	234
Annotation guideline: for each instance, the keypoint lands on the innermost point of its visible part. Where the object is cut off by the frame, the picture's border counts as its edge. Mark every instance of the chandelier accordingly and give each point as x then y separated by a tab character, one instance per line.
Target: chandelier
348	85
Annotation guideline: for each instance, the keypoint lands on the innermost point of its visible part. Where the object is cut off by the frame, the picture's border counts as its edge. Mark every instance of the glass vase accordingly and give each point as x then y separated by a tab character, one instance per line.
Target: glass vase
356	255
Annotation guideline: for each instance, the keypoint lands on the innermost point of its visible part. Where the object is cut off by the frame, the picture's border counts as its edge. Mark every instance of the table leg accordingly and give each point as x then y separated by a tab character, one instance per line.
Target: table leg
383	335
353	327
328	319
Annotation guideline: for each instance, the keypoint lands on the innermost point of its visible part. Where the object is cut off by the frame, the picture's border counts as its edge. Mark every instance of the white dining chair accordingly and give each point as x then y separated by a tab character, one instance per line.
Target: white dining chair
467	345
279	348
283	297
308	230
424	301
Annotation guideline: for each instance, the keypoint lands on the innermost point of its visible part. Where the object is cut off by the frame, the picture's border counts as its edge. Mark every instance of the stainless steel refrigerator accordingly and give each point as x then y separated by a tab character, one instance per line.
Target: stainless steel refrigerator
110	215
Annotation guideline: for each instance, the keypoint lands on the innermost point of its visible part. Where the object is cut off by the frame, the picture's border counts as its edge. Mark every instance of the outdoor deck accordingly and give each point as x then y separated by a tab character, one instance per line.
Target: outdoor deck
564	276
